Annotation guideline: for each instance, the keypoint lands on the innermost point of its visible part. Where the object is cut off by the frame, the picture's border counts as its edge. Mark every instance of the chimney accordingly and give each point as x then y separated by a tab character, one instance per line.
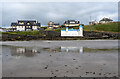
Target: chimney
81	30
66	28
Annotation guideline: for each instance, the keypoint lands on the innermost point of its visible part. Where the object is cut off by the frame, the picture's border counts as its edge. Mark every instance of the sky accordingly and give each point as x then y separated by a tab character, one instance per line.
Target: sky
58	12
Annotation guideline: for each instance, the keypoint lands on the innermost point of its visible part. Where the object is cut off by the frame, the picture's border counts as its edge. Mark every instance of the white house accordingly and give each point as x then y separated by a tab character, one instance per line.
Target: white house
25	25
105	20
52	25
72	32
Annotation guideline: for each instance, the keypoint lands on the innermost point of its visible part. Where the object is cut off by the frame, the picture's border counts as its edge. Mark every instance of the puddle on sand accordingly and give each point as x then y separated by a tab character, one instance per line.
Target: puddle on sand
60	61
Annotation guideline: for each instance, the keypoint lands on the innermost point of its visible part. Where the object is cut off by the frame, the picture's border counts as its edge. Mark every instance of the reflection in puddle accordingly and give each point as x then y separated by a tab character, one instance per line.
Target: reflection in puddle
32	51
21	51
72	49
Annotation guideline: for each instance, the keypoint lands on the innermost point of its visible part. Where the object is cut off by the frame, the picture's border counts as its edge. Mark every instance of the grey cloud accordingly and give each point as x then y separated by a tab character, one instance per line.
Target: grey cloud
58	12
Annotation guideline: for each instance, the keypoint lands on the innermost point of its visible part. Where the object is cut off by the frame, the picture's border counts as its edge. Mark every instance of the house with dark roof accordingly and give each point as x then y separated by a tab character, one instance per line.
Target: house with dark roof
25	25
105	20
52	25
71	23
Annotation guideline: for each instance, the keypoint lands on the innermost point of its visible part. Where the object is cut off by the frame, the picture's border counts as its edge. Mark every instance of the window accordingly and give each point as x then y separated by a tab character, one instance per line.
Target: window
28	23
21	23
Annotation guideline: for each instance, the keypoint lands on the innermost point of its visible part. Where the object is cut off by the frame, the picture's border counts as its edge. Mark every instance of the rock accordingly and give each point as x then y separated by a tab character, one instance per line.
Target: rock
74	59
93	72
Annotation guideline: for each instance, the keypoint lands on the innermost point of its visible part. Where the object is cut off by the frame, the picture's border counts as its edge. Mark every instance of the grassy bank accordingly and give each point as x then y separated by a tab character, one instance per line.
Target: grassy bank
23	32
109	27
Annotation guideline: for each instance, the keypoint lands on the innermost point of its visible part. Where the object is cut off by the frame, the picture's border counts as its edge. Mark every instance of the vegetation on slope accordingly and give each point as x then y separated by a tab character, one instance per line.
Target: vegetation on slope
23	32
109	27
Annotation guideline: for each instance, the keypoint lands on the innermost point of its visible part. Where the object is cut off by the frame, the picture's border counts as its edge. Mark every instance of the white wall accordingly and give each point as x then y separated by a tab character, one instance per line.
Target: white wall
20	28
34	27
71	33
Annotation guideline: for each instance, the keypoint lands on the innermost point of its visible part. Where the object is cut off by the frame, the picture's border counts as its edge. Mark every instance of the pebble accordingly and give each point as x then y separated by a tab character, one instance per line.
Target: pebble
87	72
74	59
99	73
67	71
55	76
79	66
57	70
52	73
93	72
46	67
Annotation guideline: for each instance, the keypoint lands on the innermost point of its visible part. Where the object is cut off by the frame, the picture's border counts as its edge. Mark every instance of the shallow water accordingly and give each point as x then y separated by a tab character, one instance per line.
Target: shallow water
59	61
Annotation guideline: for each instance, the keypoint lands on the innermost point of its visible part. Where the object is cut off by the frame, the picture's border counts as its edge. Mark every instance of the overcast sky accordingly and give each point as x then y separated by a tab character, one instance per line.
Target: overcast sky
58	11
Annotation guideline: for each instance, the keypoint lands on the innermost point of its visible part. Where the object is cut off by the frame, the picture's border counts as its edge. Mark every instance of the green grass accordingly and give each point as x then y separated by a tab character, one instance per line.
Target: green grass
23	33
109	27
93	50
59	29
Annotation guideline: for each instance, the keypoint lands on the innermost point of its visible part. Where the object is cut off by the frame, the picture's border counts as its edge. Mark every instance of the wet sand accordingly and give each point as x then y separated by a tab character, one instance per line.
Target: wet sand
60	58
84	43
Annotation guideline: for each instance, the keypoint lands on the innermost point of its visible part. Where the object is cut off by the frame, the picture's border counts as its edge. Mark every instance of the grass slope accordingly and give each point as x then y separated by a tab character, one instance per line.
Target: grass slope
23	33
109	27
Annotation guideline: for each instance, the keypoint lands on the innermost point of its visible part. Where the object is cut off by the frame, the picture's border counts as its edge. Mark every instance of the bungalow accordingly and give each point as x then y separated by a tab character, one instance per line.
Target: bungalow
105	20
52	25
71	23
72	32
3	29
25	25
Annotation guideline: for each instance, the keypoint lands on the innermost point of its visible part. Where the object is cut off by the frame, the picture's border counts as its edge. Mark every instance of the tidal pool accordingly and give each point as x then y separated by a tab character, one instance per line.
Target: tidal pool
59	61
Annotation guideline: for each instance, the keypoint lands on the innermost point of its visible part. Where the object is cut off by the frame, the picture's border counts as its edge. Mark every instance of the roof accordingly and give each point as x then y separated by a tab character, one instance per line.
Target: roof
68	22
25	22
13	24
57	24
71	20
106	19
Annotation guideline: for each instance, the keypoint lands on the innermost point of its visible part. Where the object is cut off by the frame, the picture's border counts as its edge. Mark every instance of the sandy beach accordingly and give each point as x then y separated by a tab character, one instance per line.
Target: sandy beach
80	58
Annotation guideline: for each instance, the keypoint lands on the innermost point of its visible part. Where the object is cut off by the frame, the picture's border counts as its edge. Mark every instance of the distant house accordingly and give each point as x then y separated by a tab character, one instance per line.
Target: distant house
105	20
93	22
3	29
72	32
52	25
25	25
71	23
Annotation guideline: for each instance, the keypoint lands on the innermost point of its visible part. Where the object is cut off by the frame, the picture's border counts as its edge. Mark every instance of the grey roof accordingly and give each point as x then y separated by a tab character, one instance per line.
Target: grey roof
106	19
57	24
68	22
71	20
25	22
13	24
